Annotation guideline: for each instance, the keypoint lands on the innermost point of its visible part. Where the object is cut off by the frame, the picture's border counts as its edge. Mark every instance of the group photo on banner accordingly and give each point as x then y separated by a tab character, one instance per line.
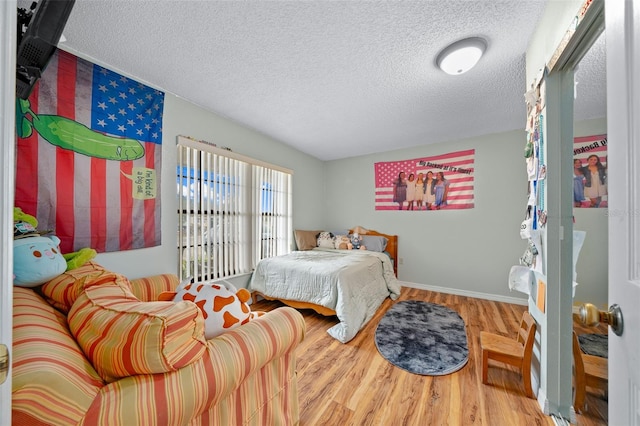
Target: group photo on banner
441	182
590	171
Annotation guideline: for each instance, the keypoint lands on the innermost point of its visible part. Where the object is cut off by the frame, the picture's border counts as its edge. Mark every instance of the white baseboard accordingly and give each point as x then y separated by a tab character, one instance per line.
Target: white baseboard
474	294
543	402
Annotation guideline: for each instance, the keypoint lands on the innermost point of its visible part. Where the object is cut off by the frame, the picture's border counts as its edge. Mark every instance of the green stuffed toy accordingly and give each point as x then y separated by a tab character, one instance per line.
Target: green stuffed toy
79	258
20	216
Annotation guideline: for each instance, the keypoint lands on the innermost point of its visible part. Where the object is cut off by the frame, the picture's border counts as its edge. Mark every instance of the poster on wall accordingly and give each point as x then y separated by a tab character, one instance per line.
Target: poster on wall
89	155
440	182
590	171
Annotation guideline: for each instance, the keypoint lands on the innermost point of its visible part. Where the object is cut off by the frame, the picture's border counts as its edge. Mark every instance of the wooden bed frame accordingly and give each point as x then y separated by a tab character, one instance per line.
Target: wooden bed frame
392	249
392	246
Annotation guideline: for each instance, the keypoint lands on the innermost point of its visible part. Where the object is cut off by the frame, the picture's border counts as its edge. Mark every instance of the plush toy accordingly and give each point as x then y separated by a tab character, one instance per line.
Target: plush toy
223	307
20	216
37	259
79	258
342	242
356	241
325	240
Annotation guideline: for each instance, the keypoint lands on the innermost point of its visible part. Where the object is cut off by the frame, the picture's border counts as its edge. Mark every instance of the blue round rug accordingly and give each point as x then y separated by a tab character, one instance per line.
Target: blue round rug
594	344
423	338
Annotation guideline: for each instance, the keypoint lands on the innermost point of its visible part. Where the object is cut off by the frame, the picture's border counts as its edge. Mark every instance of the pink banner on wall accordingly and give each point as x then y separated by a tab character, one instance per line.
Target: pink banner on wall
590	171
441	182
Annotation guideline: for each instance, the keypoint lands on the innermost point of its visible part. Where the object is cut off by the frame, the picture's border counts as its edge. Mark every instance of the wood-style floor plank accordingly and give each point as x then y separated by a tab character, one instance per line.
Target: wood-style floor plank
351	384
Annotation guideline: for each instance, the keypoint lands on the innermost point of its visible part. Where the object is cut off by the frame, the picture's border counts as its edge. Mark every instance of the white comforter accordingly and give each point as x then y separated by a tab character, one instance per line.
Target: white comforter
354	283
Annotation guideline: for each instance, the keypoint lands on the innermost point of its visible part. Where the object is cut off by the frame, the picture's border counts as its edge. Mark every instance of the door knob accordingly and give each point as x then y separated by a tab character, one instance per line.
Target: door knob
592	316
4	363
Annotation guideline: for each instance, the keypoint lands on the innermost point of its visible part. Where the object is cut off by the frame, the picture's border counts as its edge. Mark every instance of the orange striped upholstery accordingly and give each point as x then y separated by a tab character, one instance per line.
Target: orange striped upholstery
52	381
246	377
63	290
148	289
123	336
243	377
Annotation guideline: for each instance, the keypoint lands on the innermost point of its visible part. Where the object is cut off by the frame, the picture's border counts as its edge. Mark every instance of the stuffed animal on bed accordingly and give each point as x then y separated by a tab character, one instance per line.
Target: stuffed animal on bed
325	240
356	241
342	242
223	307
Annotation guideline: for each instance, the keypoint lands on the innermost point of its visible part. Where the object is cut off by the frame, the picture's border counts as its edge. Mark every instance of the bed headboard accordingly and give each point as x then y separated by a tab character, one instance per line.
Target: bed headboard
392	246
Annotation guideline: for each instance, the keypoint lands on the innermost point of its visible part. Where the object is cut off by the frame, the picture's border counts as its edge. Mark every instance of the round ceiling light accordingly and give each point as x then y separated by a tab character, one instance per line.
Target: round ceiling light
461	56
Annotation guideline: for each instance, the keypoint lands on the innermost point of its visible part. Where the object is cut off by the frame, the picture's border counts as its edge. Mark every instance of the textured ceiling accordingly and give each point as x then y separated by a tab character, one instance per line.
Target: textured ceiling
334	79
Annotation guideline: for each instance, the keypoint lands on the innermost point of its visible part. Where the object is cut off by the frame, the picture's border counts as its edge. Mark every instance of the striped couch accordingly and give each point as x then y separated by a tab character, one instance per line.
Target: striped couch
89	361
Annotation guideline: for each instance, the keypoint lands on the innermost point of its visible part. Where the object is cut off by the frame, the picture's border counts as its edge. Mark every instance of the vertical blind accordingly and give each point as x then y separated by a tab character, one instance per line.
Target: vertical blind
274	223
232	211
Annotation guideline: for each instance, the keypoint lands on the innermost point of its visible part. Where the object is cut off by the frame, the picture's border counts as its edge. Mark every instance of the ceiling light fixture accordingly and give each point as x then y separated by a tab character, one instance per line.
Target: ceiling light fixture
461	56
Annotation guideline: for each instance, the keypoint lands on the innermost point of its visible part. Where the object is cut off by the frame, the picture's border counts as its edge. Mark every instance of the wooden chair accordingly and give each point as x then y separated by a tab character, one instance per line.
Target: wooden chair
516	352
590	371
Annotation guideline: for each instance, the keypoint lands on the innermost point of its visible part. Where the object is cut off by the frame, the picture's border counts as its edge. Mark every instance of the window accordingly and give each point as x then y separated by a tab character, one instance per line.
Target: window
232	211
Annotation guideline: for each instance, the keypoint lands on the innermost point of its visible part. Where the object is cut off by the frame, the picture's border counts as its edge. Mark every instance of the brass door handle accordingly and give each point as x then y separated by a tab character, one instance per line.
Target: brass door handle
4	363
592	316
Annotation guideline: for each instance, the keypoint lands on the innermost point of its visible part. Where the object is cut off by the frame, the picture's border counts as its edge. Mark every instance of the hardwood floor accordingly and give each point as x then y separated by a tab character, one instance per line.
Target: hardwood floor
351	384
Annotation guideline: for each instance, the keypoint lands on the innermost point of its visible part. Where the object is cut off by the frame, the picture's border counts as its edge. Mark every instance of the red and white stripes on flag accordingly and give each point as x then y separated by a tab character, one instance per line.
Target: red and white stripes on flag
90	201
458	169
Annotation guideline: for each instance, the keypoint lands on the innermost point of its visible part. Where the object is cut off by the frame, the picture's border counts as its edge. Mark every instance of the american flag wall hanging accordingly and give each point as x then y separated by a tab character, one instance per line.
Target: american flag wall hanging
89	156
440	182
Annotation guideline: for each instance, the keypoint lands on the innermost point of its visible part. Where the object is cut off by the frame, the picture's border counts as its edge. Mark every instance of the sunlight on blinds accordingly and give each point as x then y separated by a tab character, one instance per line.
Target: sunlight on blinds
231	213
271	212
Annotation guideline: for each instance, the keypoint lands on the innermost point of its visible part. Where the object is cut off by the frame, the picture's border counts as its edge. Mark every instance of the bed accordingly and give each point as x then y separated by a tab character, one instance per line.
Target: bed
350	284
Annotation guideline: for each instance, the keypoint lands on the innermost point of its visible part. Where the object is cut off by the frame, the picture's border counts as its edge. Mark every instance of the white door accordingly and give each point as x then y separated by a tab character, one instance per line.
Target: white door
623	128
8	18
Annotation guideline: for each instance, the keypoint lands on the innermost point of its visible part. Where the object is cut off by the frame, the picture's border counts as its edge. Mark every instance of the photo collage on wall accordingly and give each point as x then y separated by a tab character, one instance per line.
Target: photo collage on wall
535	216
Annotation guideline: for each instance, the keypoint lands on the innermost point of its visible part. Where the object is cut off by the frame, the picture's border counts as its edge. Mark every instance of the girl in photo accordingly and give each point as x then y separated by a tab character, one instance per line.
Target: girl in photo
595	185
400	190
578	183
419	191
441	190
428	191
411	191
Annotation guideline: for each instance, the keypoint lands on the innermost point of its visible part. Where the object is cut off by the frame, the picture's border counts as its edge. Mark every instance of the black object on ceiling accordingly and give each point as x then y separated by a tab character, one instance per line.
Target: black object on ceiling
39	30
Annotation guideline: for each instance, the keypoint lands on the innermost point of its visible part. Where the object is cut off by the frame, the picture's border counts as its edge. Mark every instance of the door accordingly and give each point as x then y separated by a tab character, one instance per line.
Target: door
623	127
8	17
